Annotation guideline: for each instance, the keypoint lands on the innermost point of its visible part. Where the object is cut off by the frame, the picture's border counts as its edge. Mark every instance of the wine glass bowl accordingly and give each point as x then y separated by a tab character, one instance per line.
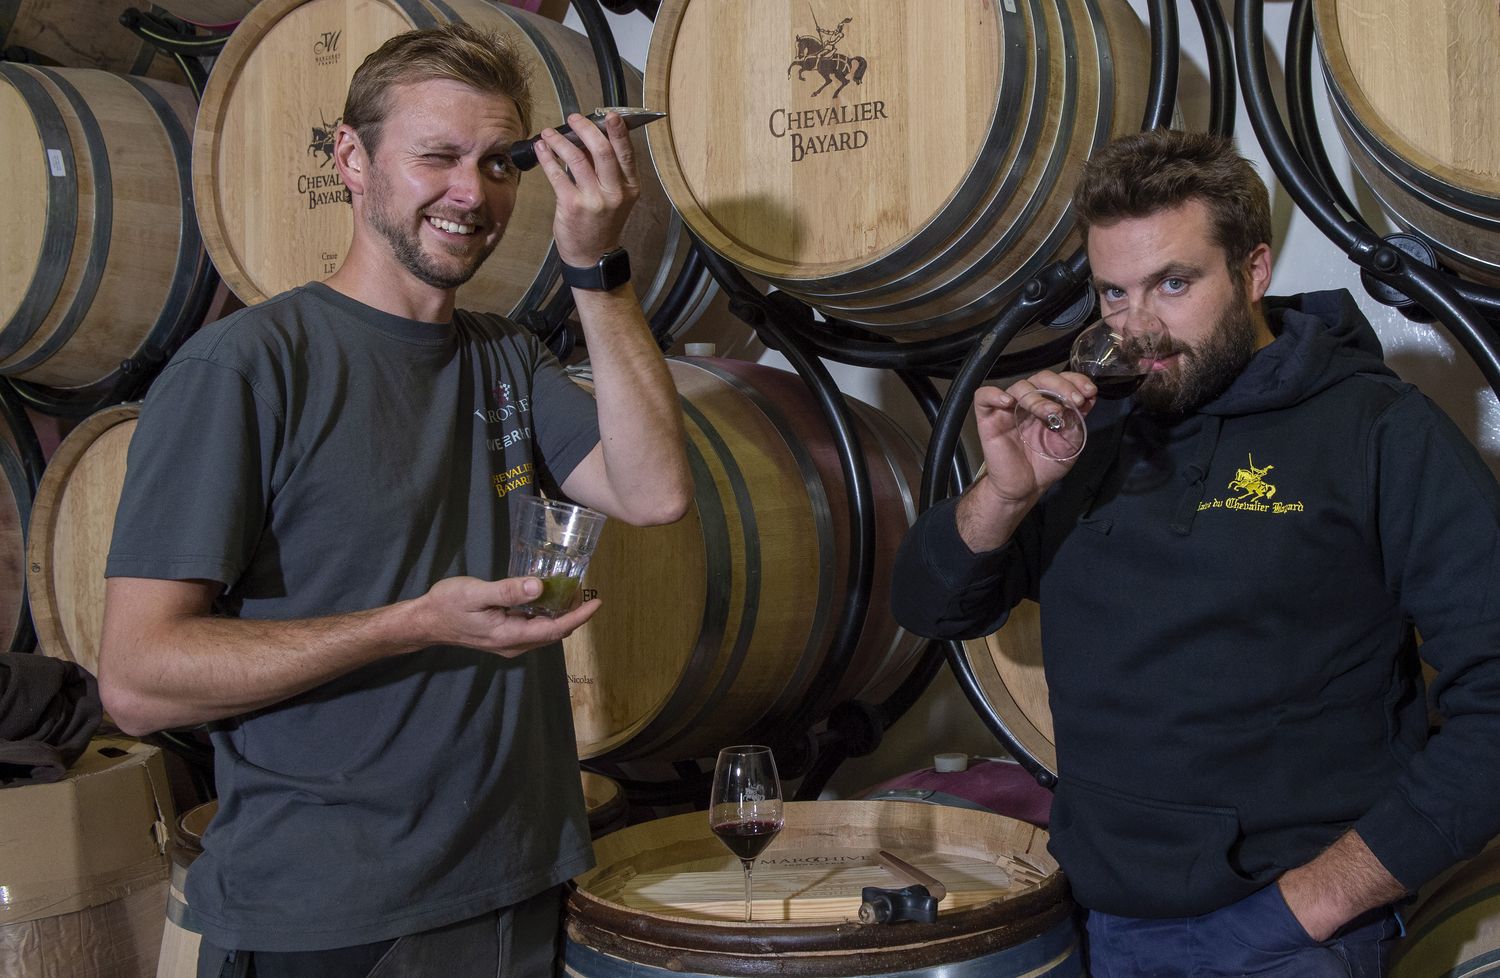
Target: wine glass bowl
1049	425
744	808
1117	351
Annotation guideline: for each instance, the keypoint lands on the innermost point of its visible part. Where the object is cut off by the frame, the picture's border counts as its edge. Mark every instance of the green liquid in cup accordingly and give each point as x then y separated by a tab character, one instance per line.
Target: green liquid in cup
559	595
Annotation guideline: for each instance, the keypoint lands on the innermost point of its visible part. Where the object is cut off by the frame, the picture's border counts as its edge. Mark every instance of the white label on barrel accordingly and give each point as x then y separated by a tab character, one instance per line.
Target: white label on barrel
1010	6
55	160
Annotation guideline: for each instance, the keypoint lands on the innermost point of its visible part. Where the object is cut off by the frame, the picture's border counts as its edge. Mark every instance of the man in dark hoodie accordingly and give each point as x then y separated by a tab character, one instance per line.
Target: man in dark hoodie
1246	780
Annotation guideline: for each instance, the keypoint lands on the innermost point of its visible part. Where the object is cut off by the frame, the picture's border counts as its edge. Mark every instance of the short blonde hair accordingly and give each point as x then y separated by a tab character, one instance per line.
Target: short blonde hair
483	60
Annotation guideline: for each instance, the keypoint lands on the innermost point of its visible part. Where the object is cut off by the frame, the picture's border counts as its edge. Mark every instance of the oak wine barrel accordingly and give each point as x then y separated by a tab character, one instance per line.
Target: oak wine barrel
102	253
905	166
72	522
713	628
667	898
273	210
1413	91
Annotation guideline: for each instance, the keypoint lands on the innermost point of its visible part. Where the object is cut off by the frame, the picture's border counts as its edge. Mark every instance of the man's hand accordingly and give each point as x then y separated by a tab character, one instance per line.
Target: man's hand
1014	471
1343	882
1014	476
596	190
476	614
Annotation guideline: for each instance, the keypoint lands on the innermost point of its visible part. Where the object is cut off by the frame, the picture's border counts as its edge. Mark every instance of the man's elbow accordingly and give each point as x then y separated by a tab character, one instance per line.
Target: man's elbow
127	710
664	507
127	707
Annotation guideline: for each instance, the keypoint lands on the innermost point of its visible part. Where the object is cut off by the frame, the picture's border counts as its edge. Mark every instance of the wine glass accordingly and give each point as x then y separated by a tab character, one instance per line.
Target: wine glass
1117	350
744	809
1049	425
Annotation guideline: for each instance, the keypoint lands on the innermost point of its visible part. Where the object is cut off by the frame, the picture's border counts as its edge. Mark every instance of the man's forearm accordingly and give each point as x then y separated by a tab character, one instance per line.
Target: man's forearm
166	662
196	669
640	417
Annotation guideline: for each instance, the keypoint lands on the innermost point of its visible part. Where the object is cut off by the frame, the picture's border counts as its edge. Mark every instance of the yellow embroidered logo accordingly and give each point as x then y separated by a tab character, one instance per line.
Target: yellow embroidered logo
1251	483
1256	493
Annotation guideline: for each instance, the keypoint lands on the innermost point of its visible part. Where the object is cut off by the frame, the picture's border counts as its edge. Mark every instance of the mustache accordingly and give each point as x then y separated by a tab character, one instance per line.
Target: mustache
1142	349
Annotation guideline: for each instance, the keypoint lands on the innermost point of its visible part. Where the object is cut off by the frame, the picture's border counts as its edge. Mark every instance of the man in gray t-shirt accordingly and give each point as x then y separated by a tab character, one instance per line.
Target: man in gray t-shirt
310	550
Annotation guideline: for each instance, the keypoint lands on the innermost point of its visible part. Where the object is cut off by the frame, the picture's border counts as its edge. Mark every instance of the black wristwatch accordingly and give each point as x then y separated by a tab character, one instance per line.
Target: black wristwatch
610	272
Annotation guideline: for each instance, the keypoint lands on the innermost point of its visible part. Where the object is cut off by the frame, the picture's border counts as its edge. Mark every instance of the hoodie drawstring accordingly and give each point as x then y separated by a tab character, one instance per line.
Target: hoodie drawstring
1195	473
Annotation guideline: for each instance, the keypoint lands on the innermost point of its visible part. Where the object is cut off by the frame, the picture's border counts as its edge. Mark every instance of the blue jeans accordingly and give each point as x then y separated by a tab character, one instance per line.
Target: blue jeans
1257	936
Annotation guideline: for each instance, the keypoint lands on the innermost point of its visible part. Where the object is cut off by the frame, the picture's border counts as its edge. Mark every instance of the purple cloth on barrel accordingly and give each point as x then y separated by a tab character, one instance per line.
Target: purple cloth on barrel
49	709
999	786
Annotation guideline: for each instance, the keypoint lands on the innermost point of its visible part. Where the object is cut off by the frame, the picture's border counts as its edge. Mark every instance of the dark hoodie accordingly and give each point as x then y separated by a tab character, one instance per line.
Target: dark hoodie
1224	599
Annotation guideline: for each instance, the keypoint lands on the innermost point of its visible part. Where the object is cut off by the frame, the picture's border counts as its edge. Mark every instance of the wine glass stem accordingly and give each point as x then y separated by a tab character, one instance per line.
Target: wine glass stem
748	864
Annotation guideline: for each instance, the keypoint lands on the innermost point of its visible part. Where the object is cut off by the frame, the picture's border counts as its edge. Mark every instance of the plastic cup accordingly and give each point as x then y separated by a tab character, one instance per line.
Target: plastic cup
553	541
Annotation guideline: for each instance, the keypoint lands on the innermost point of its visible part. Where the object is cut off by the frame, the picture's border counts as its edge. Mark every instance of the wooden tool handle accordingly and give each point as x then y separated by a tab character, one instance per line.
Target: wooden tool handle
901	868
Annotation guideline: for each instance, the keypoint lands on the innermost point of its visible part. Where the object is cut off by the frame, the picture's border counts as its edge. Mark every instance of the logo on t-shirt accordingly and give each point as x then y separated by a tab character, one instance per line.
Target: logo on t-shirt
1256	492
510	416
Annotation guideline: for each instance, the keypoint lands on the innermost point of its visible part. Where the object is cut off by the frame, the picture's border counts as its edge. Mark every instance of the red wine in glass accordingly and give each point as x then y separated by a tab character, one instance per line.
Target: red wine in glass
1117	351
747	838
744	808
1112	387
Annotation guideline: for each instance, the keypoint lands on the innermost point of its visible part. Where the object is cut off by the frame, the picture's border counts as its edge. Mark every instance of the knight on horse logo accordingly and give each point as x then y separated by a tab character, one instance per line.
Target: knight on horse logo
820	53
322	140
1251	482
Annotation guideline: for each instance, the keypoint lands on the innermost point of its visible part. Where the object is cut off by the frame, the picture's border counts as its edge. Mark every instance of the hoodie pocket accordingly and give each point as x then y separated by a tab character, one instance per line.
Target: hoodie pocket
1142	857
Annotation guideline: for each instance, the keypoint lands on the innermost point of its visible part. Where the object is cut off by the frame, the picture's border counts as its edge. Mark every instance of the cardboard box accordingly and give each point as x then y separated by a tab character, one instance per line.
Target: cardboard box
119	939
98	835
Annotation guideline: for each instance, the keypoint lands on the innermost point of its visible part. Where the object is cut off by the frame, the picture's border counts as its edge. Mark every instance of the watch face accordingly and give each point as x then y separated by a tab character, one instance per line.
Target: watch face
614	268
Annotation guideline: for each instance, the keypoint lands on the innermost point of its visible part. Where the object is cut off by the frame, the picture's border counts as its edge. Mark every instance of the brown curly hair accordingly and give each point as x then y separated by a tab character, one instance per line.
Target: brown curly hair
1141	174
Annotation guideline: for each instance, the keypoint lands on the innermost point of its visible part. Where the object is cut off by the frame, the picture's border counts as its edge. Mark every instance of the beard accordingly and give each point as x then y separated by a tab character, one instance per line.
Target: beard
1205	370
406	244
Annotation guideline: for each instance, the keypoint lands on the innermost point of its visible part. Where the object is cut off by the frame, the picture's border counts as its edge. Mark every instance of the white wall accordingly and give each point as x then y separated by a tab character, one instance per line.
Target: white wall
1305	261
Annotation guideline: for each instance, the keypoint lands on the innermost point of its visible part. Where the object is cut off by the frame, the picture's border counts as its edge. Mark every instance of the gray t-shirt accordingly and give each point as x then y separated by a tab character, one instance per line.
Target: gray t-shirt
318	456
